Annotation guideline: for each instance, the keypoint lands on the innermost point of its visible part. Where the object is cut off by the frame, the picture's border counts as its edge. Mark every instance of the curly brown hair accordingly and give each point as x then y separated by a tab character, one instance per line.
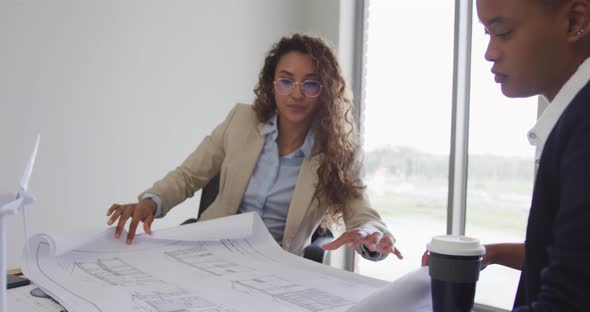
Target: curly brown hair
335	131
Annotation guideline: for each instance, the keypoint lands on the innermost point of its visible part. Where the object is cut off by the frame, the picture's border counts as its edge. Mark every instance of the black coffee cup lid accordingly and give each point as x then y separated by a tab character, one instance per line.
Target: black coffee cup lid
456	245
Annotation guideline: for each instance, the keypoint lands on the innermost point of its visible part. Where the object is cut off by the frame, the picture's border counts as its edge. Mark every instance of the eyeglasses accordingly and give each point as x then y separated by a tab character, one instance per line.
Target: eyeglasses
309	88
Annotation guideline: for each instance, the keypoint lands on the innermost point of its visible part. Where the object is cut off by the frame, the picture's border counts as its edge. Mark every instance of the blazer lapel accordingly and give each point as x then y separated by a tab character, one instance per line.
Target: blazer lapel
249	156
302	196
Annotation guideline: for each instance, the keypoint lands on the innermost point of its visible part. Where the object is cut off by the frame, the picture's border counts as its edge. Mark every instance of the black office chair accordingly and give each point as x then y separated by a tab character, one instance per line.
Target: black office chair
313	251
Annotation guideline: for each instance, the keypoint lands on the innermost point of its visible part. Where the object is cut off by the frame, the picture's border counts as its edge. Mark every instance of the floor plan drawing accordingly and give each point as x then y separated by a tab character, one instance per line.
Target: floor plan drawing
202	267
201	258
117	273
282	290
176	300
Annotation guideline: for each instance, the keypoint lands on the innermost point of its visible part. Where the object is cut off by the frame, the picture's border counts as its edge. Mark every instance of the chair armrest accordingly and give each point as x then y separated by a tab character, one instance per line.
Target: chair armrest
314	251
189	221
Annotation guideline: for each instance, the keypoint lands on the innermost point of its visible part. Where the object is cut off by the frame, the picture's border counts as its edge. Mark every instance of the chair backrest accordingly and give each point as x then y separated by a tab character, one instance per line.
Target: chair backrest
208	194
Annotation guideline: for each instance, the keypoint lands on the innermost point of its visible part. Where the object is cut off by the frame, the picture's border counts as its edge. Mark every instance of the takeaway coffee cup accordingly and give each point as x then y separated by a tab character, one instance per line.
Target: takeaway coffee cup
454	265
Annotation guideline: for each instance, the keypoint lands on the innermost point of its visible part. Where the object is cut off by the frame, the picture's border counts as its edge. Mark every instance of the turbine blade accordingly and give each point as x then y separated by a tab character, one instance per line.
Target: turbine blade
11	207
24	182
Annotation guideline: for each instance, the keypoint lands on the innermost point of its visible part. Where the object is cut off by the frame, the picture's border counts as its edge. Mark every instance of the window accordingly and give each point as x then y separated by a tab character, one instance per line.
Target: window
406	125
407	130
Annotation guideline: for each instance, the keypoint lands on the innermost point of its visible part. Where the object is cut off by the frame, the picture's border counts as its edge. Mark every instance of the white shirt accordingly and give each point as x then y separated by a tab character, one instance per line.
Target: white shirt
539	133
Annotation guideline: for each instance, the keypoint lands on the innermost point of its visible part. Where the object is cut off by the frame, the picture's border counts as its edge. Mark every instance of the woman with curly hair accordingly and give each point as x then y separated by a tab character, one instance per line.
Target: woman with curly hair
290	158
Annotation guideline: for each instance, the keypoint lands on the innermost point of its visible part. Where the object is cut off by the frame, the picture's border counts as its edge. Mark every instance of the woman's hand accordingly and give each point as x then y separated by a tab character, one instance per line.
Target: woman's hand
143	211
373	242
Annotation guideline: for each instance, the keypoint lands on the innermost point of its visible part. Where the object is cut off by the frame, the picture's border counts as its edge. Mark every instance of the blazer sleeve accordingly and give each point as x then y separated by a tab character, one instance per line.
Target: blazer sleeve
565	280
358	214
196	170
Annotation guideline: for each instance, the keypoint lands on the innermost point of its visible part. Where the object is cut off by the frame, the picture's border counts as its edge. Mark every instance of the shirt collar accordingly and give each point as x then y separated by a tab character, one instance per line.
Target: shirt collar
307	146
539	133
270	127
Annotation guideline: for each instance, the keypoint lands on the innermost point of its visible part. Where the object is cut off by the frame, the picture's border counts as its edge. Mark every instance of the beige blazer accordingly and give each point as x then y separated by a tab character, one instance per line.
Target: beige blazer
232	150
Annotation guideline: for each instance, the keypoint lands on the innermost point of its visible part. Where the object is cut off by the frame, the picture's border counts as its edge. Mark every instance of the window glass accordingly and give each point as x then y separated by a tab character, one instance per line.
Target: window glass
407	122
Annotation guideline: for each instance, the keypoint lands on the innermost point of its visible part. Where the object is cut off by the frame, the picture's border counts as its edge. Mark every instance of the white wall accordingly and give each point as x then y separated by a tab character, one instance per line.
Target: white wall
123	91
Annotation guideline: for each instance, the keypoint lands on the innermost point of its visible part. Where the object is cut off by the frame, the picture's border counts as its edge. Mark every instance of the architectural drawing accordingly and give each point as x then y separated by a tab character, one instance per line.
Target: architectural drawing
198	268
284	291
117	272
176	300
201	258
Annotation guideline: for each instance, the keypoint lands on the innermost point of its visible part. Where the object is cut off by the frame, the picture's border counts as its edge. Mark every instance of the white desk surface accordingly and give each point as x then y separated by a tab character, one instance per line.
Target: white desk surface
21	300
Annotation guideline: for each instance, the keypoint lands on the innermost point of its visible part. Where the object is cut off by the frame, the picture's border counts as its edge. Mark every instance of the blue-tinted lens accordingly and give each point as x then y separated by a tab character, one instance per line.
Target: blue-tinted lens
284	86
311	88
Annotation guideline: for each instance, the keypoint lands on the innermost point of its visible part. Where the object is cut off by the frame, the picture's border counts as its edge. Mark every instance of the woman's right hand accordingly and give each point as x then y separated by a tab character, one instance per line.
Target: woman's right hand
142	211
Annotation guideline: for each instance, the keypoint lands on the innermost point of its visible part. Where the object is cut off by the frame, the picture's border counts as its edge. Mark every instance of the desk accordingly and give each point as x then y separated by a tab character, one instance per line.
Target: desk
20	299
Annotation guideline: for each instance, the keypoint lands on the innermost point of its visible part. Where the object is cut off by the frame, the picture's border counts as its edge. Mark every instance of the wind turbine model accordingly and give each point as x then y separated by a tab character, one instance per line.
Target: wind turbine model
11	204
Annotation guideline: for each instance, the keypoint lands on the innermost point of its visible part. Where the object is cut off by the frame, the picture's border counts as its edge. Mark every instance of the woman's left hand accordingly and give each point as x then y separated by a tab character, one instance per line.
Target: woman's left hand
373	242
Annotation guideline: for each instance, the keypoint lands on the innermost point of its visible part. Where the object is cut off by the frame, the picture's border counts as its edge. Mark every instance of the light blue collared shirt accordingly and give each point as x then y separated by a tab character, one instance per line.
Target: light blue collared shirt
272	183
